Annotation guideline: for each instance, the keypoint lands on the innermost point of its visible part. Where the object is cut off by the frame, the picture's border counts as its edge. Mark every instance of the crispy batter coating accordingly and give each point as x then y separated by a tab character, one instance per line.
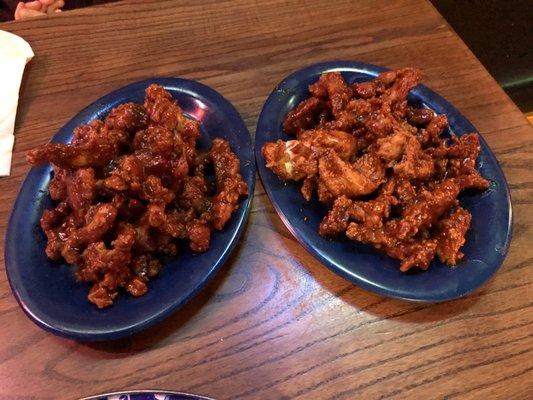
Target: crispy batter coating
387	171
451	231
129	189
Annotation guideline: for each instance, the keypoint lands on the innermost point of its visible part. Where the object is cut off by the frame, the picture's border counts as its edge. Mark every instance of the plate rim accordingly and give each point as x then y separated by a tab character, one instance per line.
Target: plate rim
147	391
421	90
127	330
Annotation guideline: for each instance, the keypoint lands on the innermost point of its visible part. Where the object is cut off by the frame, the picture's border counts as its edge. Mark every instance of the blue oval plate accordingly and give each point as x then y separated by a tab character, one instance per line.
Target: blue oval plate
487	240
147	395
47	290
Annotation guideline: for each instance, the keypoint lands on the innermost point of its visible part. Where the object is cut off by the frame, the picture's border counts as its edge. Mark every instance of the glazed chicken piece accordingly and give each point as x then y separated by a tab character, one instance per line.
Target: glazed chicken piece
96	151
306	115
413	253
332	85
58	184
339	178
403	81
163	109
344	144
230	185
415	164
451	235
370	213
99	220
129	117
81	191
426	209
290	160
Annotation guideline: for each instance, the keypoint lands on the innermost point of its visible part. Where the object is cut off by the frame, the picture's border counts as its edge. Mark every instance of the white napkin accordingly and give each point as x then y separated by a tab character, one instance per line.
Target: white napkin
15	52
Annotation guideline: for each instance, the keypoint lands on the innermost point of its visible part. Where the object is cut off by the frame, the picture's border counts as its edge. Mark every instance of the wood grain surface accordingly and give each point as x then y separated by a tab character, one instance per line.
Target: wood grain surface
275	323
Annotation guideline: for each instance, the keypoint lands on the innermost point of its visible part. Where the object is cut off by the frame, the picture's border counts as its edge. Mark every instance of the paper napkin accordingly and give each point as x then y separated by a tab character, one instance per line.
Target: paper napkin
15	52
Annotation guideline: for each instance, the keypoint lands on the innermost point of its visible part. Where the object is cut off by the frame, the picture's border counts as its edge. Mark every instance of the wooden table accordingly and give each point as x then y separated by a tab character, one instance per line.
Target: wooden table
275	323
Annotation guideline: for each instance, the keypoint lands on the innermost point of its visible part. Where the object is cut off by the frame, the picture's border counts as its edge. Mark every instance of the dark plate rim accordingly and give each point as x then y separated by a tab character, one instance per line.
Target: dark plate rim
148	391
423	92
193	87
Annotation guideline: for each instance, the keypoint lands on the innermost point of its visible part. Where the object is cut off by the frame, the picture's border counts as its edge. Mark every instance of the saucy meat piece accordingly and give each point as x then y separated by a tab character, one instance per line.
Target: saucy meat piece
333	85
427	208
163	109
290	160
129	117
230	185
339	178
344	144
94	146
451	235
304	116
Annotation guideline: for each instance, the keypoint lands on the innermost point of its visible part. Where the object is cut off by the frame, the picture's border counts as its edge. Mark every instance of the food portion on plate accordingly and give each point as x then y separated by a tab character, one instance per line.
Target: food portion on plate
130	189
384	169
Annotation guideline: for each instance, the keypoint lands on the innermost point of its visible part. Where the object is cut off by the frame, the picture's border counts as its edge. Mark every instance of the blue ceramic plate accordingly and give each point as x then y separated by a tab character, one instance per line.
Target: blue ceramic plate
47	290
487	240
147	395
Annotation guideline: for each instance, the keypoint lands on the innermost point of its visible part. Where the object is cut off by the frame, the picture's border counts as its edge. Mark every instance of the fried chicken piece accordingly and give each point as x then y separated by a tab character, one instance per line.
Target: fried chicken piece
304	116
459	161
230	185
308	187
95	146
339	178
190	132
354	116
129	117
199	234
57	225
391	148
419	116
344	144
58	184
93	154
146	266
153	190
370	213
370	166
430	135
415	164
427	208
364	90
413	253
472	181
99	220
338	92
156	140
451	235
194	194
404	80
463	154
379	237
404	191
290	160
81	191
128	174
136	287
163	109
113	265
